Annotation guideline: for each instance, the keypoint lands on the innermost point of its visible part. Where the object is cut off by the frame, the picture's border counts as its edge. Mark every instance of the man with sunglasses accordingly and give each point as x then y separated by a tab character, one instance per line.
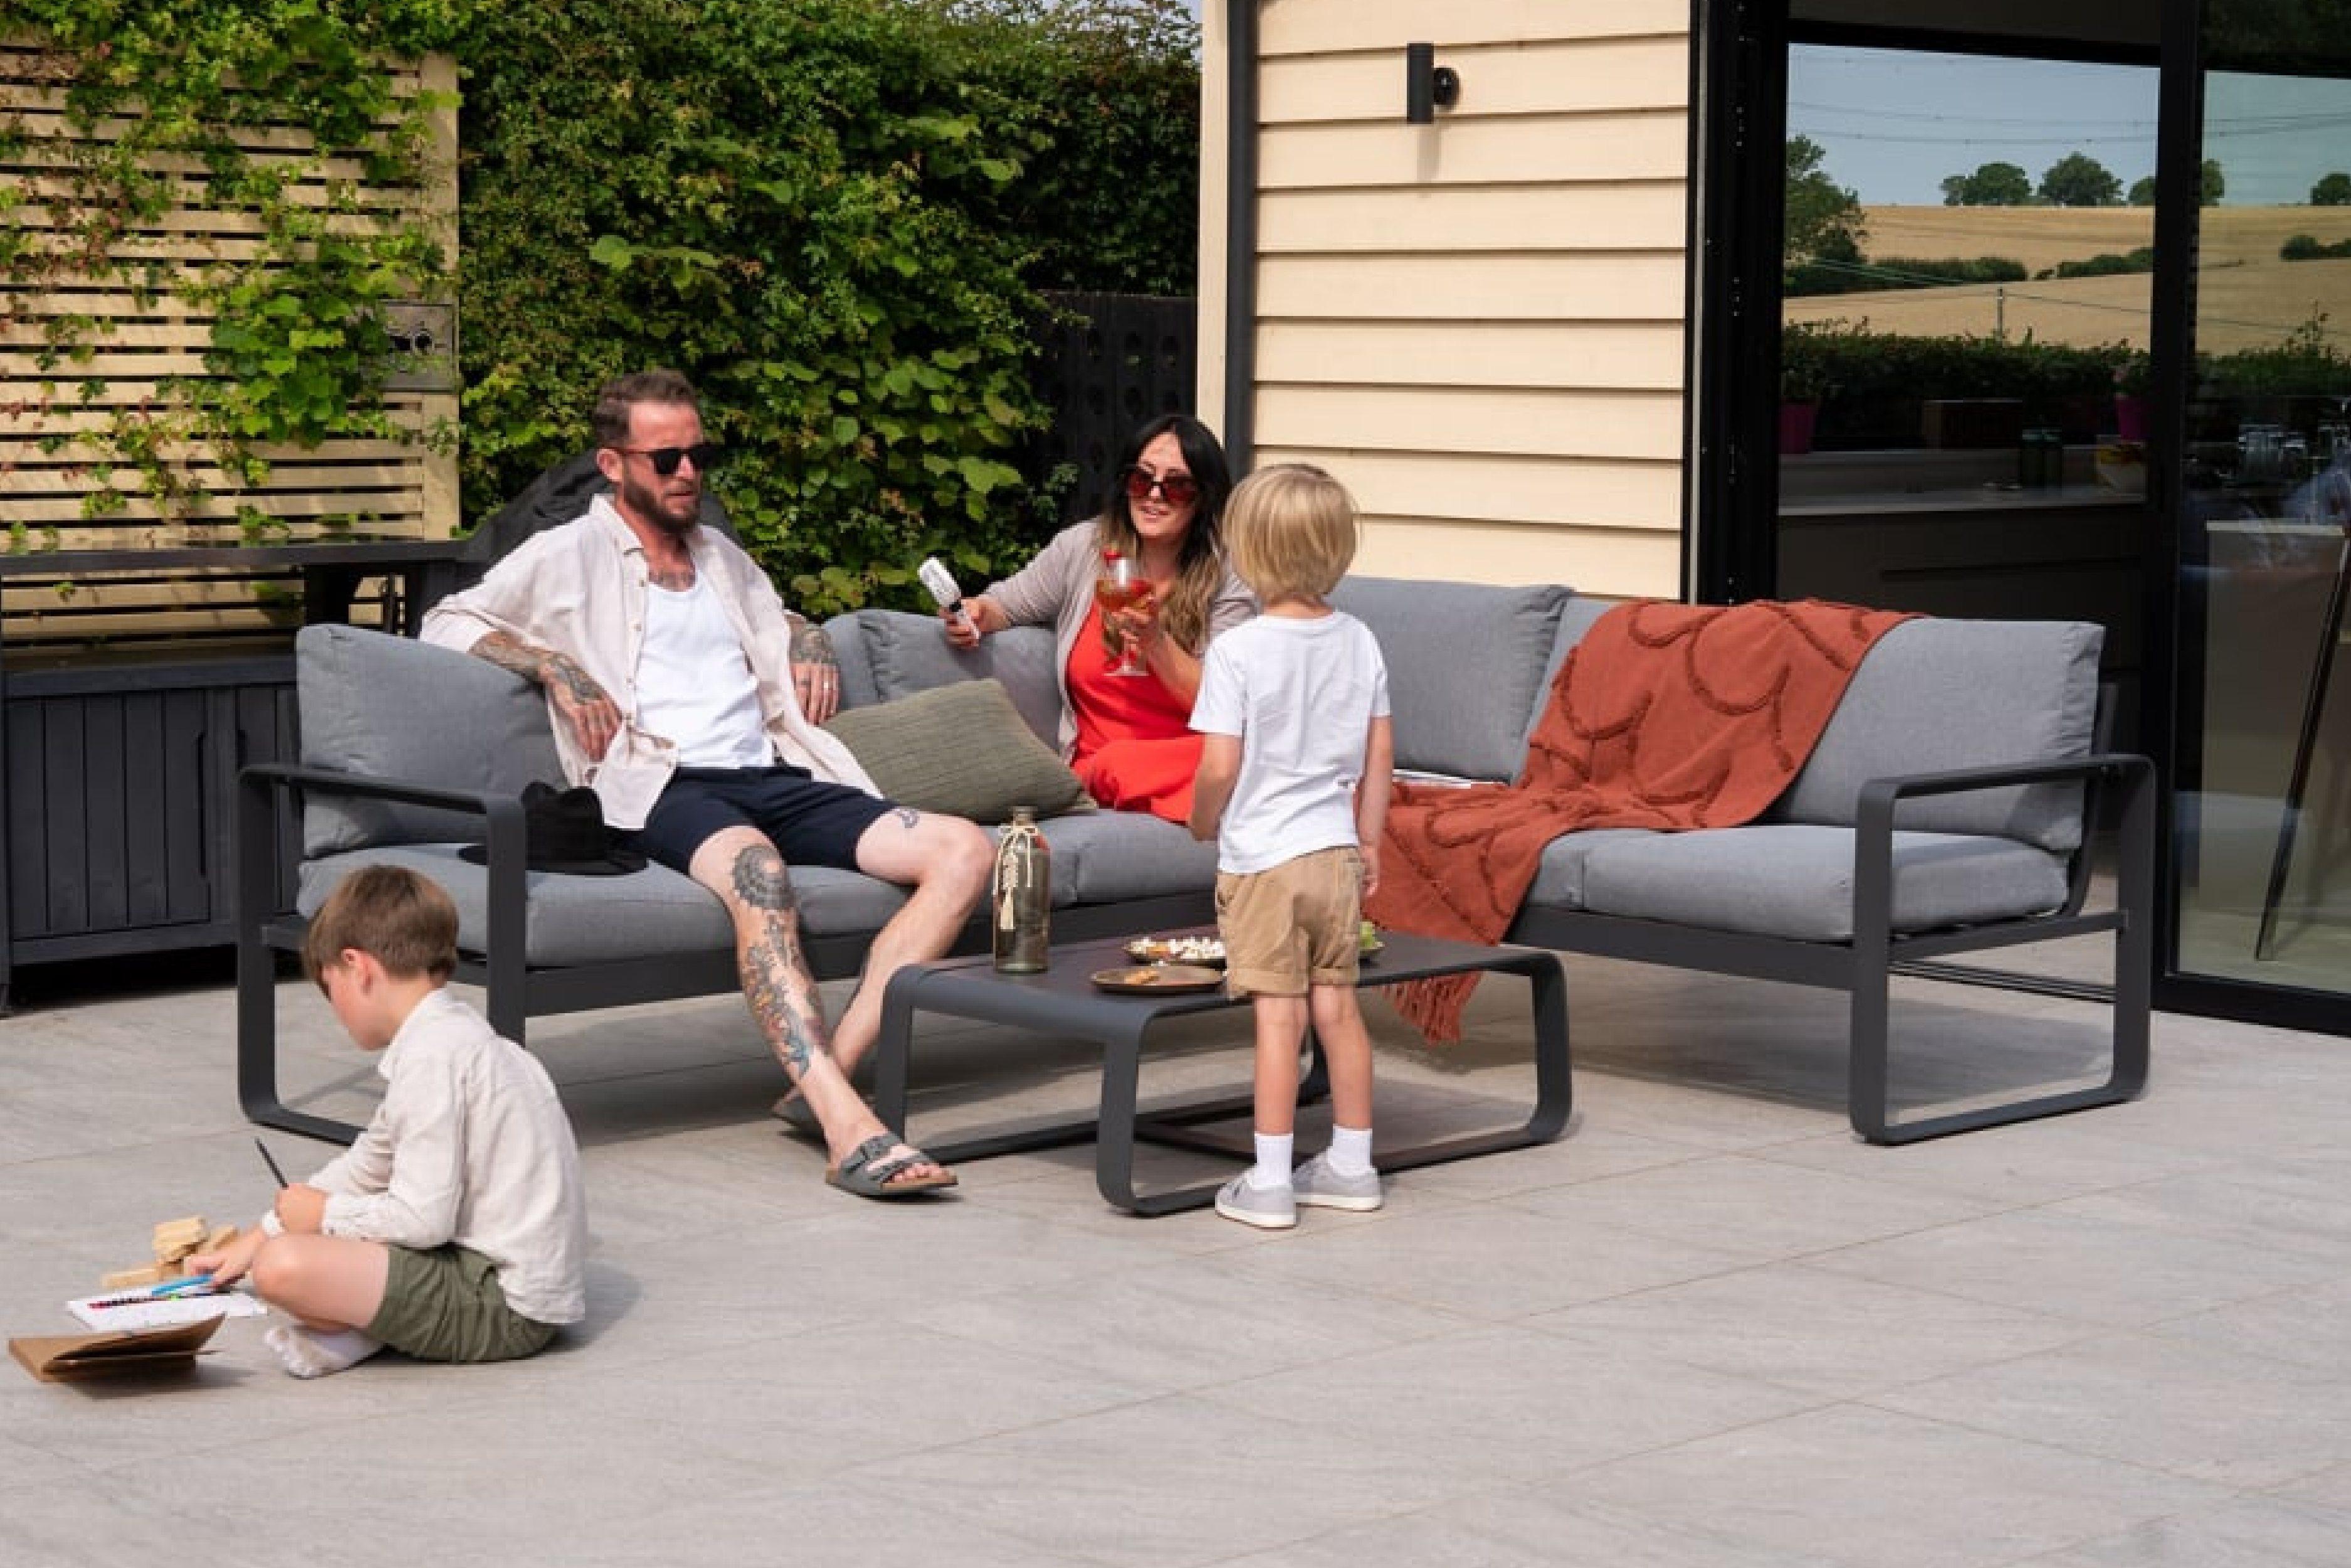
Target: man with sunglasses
670	670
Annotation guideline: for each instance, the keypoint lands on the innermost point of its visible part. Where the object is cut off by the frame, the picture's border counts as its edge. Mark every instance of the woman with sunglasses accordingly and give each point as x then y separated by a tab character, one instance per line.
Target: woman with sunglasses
1131	740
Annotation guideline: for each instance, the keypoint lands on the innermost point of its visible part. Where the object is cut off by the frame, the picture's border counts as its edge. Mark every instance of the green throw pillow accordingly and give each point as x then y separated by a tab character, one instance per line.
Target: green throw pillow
962	749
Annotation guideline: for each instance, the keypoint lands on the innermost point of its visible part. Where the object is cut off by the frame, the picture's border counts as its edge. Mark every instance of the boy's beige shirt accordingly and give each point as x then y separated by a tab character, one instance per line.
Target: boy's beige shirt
470	1145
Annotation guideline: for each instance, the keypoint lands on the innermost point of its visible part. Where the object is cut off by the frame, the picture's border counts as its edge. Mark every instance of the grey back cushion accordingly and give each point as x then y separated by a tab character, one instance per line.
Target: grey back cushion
1937	694
1466	665
389	707
897	653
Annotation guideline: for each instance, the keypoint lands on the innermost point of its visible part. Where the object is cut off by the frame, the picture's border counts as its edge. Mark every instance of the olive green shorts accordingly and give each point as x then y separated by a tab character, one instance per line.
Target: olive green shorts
444	1304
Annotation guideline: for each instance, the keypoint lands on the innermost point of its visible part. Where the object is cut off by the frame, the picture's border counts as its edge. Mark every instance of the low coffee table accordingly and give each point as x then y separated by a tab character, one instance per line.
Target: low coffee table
1064	1001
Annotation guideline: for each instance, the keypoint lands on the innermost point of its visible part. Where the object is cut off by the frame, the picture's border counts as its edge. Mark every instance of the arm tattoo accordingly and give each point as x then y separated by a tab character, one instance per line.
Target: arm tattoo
511	657
908	818
575	680
540	666
811	644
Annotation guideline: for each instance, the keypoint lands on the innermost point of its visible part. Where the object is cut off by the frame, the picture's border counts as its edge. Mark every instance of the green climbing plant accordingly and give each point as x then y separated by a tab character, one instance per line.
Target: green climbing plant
282	125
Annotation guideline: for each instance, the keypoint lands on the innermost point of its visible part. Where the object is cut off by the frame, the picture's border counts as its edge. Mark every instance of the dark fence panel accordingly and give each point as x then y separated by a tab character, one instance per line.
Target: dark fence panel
1110	362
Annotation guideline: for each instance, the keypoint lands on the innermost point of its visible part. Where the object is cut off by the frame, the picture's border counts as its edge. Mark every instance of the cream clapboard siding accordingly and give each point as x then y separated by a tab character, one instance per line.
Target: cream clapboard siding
1476	324
385	489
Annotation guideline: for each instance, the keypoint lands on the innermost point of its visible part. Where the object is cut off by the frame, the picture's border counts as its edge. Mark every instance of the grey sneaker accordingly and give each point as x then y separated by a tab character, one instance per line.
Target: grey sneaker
1317	1186
1272	1210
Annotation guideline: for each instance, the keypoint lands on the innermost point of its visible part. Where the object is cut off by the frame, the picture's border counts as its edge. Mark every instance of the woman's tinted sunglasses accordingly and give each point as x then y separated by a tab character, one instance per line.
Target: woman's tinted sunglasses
1180	489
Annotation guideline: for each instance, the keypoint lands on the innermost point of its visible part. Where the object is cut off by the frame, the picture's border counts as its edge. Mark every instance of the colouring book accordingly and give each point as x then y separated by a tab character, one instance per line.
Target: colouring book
132	1310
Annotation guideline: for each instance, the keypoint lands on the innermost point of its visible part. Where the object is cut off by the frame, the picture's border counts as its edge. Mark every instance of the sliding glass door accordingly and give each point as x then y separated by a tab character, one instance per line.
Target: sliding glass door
2261	763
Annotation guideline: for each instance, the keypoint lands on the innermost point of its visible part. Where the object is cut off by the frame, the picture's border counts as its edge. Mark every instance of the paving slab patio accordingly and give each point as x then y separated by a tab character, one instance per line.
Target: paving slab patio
1707	1327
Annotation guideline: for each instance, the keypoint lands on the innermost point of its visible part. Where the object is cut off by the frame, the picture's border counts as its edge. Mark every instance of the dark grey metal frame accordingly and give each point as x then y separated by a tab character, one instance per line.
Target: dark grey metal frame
268	812
1063	1001
1864	966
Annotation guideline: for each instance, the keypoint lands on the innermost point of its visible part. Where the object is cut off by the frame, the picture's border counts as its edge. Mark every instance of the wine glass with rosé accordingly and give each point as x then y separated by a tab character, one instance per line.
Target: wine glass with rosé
1121	587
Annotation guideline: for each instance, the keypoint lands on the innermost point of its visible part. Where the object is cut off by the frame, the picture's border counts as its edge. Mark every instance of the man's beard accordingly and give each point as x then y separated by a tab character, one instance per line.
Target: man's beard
649	502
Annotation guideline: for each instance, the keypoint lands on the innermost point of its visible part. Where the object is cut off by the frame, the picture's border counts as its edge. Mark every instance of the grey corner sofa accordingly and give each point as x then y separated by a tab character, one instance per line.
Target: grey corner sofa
1947	810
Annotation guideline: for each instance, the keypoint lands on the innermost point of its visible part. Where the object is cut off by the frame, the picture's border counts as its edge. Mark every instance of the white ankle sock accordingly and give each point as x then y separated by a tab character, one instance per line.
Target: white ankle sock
1274	1151
1351	1151
308	1352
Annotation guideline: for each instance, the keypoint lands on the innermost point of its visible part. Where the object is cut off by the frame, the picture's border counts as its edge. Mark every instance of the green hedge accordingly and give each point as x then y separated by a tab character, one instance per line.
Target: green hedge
837	216
1870	384
1814	278
1875	382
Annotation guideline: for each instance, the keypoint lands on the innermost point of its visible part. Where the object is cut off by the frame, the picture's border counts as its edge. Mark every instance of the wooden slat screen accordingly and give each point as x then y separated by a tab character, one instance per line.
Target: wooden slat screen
383	490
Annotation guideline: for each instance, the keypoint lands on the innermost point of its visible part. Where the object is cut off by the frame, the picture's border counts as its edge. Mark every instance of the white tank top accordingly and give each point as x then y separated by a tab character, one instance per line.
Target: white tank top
694	685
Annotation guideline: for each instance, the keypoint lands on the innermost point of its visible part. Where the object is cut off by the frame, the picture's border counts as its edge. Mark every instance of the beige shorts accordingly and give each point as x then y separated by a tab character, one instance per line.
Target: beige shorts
444	1303
1292	926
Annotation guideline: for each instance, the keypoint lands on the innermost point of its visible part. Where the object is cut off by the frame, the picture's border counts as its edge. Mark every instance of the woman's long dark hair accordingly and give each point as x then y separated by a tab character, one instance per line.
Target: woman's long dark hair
1200	564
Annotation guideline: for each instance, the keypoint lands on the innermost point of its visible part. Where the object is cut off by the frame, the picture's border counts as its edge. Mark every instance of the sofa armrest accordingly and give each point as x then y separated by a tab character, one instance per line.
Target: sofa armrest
2131	775
261	786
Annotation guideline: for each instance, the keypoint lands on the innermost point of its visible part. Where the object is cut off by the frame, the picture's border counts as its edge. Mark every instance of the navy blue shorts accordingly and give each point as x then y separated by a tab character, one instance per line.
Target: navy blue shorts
811	823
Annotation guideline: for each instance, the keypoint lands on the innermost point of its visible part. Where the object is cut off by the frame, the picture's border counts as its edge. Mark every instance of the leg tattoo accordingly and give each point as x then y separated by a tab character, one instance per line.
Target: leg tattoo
762	882
775	979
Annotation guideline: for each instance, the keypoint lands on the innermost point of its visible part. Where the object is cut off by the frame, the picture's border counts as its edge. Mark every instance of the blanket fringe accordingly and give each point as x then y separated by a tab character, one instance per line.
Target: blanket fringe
1434	1006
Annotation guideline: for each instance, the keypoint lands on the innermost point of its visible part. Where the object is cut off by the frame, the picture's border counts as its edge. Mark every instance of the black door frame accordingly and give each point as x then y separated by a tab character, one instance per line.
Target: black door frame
1739	88
1739	94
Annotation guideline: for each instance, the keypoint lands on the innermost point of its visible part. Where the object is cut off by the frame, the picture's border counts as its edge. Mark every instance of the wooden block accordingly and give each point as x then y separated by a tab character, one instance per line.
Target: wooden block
220	1237
145	1274
175	1238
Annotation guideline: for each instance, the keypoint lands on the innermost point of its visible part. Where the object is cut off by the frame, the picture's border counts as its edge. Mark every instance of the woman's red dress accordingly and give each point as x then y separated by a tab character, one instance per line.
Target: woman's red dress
1136	750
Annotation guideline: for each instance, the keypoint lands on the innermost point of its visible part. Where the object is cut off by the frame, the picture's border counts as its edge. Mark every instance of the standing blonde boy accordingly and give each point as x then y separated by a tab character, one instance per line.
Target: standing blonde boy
454	1228
1294	786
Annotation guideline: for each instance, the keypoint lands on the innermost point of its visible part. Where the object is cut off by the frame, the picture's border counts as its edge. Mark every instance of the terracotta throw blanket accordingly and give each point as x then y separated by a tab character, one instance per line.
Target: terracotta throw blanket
1664	715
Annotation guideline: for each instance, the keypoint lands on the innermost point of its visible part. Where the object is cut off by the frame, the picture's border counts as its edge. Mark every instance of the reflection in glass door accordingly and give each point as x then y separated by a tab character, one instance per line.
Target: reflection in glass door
1968	255
2263	769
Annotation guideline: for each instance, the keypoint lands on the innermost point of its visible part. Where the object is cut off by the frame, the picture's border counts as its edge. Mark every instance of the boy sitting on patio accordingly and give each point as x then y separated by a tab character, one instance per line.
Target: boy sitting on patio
454	1228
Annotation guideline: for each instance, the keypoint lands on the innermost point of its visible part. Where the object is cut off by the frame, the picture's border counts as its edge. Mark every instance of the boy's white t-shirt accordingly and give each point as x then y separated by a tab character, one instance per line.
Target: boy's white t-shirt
1301	695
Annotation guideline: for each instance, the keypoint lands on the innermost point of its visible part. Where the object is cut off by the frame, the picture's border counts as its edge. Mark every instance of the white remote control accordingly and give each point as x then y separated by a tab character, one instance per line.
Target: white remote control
942	584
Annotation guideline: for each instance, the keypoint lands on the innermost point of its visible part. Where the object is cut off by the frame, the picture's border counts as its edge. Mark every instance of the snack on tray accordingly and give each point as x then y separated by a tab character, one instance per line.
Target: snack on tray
1178	949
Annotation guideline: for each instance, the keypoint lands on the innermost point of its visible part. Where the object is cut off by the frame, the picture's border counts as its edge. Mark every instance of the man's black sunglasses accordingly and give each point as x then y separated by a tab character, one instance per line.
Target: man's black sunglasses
666	459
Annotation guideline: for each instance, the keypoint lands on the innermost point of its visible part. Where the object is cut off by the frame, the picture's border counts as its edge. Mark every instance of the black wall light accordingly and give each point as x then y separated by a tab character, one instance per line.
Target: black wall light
1427	85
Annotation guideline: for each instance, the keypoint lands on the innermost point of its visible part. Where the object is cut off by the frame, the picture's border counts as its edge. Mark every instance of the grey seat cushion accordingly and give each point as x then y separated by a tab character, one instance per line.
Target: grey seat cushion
1946	694
1559	876
1796	881
1112	855
387	707
1466	665
597	919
